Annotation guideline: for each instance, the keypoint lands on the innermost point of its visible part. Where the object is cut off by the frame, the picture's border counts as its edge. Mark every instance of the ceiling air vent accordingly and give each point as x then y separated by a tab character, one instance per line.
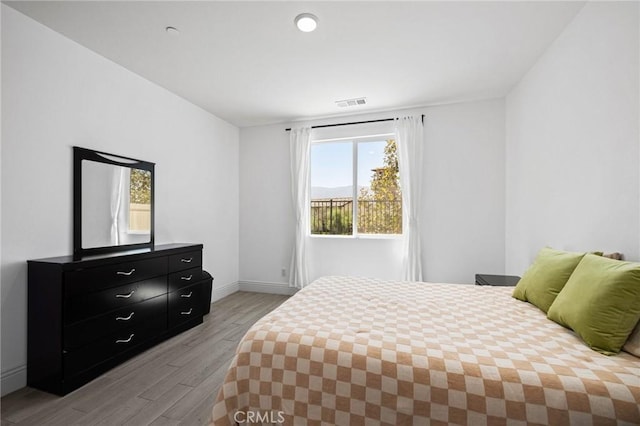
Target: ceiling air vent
351	102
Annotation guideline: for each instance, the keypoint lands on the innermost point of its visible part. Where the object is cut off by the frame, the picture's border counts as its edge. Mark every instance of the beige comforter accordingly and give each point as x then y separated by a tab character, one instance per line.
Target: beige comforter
351	351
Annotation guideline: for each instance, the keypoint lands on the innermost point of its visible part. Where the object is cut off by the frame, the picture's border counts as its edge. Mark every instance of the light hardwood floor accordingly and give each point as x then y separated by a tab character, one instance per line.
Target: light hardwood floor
174	383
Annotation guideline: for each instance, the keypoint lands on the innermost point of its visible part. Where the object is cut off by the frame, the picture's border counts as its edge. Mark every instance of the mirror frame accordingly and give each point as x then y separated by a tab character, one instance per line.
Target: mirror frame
80	154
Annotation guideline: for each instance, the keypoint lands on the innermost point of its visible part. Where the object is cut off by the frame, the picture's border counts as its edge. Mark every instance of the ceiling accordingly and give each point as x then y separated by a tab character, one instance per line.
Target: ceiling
246	63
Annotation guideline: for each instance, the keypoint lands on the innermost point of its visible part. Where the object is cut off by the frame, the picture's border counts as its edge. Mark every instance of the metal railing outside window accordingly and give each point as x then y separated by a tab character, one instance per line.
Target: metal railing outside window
334	216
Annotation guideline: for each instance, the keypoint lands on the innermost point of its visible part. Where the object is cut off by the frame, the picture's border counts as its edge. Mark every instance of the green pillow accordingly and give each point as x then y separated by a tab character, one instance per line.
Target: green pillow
544	279
600	302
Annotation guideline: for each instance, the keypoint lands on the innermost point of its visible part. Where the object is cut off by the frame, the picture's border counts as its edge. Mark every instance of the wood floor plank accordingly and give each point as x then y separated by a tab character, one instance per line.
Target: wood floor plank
200	414
155	408
173	383
126	387
164	385
216	361
118	400
24	402
118	415
207	389
193	371
159	355
84	400
42	413
199	351
163	421
62	416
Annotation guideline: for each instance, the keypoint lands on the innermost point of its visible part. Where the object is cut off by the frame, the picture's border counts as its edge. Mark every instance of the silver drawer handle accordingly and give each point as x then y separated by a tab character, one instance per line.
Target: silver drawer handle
187	295
126	273
187	278
125	318
186	260
126	296
187	313
126	340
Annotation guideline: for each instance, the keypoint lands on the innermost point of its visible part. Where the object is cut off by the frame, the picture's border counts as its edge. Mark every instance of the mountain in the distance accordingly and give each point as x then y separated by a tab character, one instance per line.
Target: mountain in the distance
320	192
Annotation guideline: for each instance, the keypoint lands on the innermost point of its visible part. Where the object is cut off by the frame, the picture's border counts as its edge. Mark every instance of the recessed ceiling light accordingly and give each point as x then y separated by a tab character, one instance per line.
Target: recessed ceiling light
306	22
172	31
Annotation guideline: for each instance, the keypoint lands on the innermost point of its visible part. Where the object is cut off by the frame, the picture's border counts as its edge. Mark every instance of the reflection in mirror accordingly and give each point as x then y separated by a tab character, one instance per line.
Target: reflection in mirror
116	205
113	203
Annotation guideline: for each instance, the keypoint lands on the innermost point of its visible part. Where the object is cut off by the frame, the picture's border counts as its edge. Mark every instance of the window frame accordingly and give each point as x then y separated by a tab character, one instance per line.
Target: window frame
354	141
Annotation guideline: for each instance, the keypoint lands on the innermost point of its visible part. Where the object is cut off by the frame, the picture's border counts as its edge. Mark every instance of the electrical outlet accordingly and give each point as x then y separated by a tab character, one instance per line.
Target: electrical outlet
283	272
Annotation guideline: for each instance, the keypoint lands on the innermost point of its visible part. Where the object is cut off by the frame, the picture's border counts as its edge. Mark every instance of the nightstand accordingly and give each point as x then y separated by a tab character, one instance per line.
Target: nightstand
497	280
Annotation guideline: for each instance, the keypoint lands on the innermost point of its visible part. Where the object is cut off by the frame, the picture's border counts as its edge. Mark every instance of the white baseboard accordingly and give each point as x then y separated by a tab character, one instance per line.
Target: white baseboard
219	292
13	379
266	287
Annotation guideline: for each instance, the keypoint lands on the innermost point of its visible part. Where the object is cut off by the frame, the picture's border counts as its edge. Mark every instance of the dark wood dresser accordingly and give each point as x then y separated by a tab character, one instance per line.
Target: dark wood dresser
86	316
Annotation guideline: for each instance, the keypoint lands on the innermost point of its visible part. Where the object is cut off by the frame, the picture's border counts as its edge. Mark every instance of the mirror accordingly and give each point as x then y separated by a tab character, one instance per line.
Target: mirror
113	203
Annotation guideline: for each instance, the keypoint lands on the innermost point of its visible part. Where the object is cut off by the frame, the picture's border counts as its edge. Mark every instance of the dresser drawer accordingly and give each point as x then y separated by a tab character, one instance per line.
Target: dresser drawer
185	278
187	260
95	279
185	304
90	330
78	360
92	304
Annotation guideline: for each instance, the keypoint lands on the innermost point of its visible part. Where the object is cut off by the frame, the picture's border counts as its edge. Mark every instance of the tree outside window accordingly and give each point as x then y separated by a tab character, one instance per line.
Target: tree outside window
140	201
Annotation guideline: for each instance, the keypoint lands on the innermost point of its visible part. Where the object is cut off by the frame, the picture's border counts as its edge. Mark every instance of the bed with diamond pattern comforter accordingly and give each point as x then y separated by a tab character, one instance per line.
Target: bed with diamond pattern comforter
356	351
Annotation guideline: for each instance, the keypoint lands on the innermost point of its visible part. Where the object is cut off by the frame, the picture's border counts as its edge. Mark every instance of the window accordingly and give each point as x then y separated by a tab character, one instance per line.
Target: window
140	202
355	181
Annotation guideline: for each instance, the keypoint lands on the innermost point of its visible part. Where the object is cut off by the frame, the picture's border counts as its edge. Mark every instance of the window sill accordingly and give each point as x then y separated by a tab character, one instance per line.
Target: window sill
130	232
357	237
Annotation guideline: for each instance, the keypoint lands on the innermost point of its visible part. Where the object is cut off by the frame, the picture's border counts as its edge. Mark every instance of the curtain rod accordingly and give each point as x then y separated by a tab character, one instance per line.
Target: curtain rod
353	122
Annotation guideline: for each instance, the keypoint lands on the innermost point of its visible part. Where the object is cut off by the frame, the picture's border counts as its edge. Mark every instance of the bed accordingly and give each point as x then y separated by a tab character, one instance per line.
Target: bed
357	351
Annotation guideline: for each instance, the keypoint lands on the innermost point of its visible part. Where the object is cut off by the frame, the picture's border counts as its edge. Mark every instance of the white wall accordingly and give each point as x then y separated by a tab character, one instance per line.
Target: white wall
463	196
56	94
573	141
463	207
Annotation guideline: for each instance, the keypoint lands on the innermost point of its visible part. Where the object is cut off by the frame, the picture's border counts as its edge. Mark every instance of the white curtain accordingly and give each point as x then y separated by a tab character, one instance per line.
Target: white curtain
300	148
409	138
120	204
